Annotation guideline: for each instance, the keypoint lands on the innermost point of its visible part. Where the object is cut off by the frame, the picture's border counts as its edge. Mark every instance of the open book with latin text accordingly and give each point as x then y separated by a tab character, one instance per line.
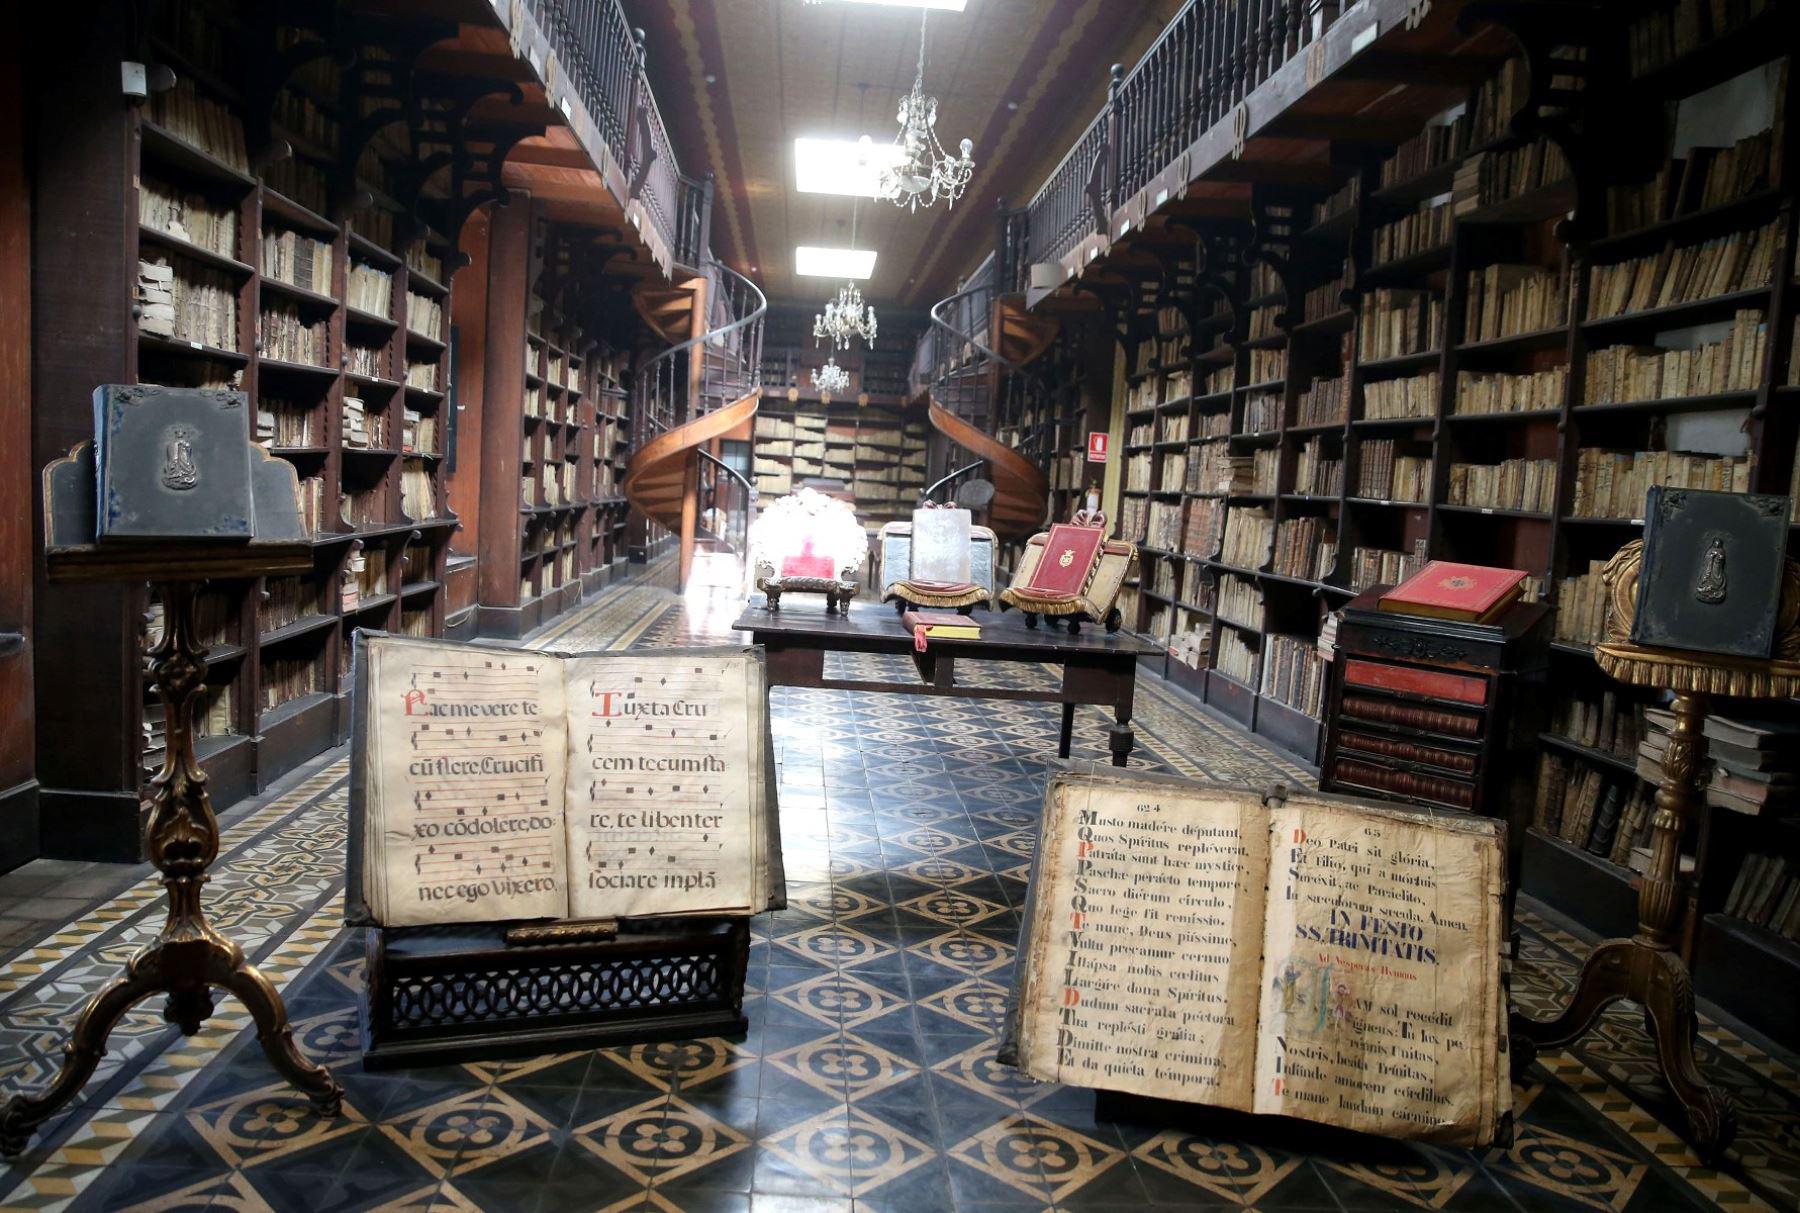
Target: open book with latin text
1315	957
494	784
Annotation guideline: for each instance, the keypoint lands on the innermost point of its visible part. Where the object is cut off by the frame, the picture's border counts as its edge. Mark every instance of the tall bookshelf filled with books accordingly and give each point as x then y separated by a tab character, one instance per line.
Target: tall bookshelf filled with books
259	255
1470	348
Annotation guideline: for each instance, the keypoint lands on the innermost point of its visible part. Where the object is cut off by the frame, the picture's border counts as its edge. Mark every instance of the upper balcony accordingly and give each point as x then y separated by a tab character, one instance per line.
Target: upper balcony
611	134
1237	93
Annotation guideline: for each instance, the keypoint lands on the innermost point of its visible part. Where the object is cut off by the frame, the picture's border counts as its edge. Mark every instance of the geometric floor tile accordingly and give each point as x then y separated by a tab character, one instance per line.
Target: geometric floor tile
875	1002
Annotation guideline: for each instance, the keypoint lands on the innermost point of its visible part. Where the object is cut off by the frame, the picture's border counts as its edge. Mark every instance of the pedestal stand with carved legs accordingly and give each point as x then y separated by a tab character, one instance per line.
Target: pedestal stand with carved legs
188	959
1646	968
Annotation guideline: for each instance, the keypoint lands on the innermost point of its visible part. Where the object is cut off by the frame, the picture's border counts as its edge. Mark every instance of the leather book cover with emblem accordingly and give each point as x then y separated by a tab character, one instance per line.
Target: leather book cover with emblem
171	463
1712	571
1070	555
1466	593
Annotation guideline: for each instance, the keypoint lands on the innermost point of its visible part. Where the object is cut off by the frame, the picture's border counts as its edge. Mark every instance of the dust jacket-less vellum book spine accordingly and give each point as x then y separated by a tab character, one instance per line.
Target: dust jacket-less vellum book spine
1320	958
499	785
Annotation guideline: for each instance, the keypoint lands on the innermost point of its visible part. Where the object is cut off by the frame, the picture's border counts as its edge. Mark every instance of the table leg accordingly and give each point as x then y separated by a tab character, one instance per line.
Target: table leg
1120	738
1068	730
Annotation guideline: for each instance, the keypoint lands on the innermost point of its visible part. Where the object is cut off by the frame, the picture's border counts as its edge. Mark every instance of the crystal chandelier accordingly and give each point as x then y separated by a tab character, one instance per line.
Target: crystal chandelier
845	319
831	377
923	172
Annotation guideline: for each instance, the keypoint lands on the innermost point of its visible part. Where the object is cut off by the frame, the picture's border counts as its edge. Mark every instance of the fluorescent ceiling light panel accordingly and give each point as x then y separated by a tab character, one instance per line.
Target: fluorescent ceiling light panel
954	6
854	263
841	166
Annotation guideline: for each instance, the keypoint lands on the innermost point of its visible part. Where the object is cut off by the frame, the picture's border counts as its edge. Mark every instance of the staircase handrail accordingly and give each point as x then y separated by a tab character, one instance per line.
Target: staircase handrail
931	490
740	337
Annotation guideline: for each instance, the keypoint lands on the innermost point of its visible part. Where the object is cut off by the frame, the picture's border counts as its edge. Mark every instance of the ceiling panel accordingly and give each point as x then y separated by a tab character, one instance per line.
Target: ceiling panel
1021	78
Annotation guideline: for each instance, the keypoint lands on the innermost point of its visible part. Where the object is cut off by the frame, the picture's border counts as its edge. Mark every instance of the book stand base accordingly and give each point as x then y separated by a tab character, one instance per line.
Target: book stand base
188	958
458	993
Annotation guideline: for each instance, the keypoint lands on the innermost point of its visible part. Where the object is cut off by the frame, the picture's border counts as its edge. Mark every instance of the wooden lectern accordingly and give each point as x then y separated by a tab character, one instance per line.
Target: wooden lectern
1647	968
188	958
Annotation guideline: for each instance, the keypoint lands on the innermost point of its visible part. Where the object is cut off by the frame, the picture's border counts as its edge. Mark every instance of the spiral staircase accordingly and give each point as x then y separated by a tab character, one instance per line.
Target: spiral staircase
704	386
970	369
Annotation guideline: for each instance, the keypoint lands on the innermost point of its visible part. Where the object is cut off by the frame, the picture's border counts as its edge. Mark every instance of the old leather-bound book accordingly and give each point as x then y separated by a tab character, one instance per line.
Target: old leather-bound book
1712	571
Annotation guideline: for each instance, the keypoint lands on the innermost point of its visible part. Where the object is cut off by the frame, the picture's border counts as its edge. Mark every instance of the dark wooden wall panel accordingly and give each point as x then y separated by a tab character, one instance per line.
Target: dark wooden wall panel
18	741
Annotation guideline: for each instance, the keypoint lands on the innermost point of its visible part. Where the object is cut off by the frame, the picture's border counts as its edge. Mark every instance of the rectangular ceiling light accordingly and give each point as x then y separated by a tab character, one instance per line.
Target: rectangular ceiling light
856	263
841	166
954	6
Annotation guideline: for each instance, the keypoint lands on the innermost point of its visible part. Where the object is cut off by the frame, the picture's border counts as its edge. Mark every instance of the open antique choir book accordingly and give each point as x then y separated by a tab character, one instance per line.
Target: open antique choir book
1316	957
495	784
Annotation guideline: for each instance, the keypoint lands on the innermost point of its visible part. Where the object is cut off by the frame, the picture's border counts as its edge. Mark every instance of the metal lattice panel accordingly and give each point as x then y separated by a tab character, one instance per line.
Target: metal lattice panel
500	995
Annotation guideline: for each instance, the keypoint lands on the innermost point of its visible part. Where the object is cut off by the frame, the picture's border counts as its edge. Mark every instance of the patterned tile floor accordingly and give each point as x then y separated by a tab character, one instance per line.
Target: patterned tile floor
867	1081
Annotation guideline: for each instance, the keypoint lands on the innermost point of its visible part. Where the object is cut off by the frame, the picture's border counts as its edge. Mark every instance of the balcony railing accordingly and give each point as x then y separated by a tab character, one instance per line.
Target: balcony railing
1209	58
603	58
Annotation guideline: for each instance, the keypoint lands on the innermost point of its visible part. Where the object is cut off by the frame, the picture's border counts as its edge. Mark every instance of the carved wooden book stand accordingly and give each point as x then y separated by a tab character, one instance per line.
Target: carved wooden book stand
1646	968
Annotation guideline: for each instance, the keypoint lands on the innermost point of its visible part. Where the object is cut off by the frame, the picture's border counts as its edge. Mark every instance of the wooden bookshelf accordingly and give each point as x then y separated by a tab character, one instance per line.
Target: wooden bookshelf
230	274
876	454
1536	403
1467	402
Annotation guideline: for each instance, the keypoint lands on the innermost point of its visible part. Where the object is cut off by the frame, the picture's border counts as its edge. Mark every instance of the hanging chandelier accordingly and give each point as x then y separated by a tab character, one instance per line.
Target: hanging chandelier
922	172
831	378
845	319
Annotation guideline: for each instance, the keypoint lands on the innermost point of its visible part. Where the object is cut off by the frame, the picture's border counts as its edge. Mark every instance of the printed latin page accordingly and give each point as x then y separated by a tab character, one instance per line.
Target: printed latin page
465	763
1381	972
665	779
1146	932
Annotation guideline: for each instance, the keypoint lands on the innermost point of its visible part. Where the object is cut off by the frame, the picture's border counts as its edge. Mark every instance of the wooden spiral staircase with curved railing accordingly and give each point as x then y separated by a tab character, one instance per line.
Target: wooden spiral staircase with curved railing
979	343
703	387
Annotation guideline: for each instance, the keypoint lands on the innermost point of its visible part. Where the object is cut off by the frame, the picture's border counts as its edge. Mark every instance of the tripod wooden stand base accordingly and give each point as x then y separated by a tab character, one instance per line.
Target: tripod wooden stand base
188	959
1646	968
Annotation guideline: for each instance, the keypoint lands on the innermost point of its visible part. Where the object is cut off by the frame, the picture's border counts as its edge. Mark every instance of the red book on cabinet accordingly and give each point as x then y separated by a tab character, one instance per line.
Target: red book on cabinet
1467	593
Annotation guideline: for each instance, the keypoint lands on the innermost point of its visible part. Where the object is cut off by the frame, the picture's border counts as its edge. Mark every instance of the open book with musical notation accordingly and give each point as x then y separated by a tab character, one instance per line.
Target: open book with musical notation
495	784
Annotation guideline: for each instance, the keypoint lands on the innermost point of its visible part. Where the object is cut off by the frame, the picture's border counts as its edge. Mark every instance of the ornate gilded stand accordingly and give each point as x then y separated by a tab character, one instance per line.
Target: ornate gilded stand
188	957
1646	968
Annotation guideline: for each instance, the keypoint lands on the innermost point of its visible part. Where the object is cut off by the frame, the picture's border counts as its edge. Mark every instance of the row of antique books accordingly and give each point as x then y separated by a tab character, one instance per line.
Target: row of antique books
1602	813
1479	394
1581	606
285	678
201	122
1507	300
1733	363
1741	261
1399	322
369	289
1670	31
1293	673
1706	177
286	335
1612	484
1305	547
1753	762
1386	475
280	423
1384	566
193	304
188	216
214	719
1513	484
1249	532
1240	602
298	260
1316	472
1767	892
1426	228
1236	659
1492	177
1608	724
1392	399
288	600
418	491
425	315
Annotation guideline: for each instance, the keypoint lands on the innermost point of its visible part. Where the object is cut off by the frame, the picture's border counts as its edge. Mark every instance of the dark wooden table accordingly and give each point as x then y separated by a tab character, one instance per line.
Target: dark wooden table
1097	668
